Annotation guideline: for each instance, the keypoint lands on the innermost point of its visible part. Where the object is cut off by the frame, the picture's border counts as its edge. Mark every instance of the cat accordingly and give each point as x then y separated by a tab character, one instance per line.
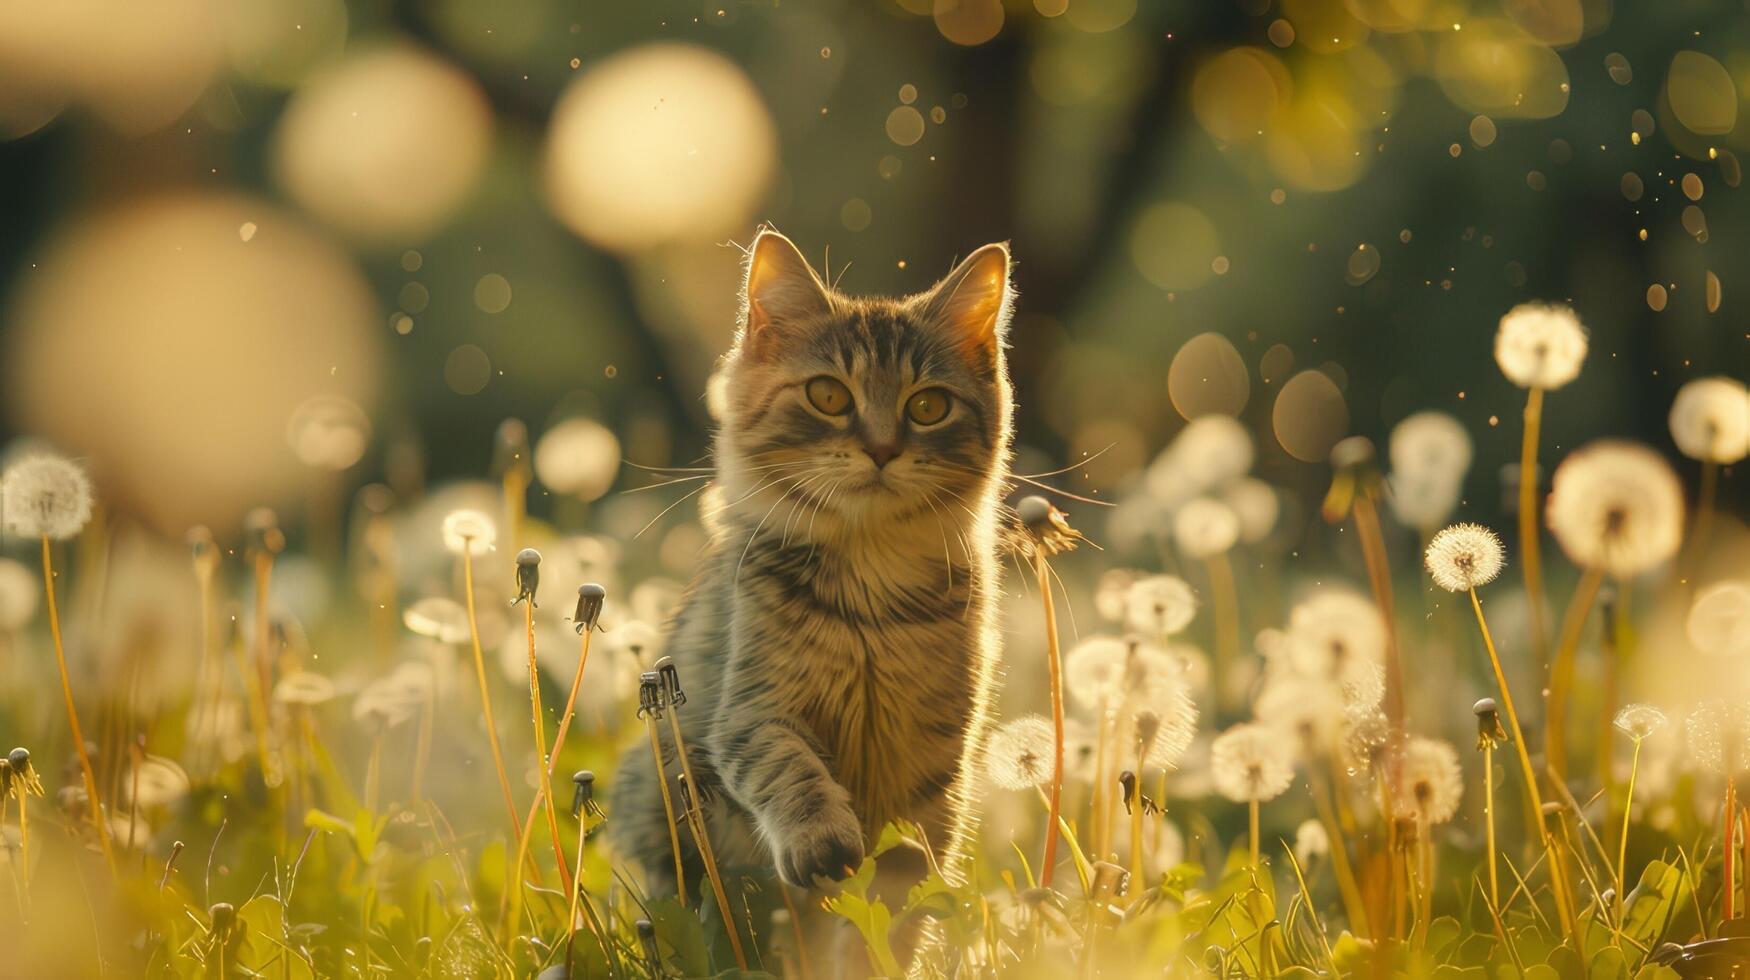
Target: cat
838	645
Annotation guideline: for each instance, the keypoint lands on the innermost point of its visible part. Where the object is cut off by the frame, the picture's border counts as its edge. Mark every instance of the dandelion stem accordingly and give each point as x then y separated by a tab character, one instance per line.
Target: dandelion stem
674	834
1227	622
1533	798
559	739
23	836
1379	577
91	798
1704	517
1628	805
1561	674
702	840
1528	531
1489	819
1252	823
422	747
1042	571
1729	887
1353	905
543	762
485	692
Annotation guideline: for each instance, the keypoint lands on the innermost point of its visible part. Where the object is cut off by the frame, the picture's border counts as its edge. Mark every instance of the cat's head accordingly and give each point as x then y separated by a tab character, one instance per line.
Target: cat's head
867	406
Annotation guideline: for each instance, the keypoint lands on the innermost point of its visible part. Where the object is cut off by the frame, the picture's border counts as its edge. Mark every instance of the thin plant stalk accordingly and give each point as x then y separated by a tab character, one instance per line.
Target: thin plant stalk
263	634
422	747
1561	674
485	692
674	835
1043	572
1227	621
23	835
1489	819
1533	798
1136	818
1099	807
1252	823
1704	518
1531	557
1353	905
1379	577
374	768
1628	805
85	771
559	737
589	910
1729	888
702	839
544	791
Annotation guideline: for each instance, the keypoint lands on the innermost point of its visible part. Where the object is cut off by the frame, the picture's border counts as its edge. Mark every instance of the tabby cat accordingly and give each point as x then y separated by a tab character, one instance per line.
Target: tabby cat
838	646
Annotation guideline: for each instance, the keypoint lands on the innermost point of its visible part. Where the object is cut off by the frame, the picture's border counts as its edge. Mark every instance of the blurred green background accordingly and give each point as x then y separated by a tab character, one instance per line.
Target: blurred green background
452	213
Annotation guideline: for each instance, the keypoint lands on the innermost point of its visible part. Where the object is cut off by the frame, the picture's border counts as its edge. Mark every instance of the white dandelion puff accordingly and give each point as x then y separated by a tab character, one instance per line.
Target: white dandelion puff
1430	444
1021	753
1311	840
306	688
1251	763
1111	590
1159	605
1718	622
1638	721
1540	346
1617	506
1309	710
1254	503
1215	447
1094	670
1710	420
1205	527
437	618
1718	736
1430	781
155	781
470	532
1331	631
1423	501
45	496
1465	556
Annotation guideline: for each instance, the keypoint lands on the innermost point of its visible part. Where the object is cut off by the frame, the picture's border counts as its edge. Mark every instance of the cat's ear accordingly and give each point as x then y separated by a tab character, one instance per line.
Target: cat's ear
973	302
780	287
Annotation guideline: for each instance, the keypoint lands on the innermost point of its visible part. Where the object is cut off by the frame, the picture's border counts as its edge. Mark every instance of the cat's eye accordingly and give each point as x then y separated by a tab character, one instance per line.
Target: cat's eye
828	395
927	407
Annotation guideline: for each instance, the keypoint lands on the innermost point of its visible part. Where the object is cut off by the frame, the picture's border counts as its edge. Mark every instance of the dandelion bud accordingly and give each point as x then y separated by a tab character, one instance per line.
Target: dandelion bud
510	447
1048	528
1489	730
650	694
45	497
19	758
528	576
224	916
1035	511
647	941
583	792
1127	784
590	597
671	682
261	527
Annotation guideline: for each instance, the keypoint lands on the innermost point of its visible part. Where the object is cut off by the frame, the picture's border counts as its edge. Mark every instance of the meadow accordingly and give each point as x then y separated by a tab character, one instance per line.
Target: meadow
378	741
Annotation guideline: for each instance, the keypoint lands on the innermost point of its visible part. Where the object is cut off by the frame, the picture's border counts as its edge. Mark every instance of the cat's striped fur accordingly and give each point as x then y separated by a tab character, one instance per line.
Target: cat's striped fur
838	644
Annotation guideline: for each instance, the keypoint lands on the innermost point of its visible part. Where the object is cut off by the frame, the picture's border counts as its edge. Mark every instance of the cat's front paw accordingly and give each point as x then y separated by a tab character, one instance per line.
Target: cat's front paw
830	847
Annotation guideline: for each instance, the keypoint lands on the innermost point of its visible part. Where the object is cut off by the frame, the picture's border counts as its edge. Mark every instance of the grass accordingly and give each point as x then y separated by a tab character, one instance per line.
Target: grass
307	844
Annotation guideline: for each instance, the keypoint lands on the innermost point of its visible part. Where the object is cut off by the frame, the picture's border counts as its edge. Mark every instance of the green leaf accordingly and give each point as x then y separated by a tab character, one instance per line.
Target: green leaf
1442	933
873	920
1608	963
1654	903
682	932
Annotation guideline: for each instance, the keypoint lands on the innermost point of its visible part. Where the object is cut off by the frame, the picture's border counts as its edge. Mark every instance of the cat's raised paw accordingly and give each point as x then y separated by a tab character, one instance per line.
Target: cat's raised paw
830	848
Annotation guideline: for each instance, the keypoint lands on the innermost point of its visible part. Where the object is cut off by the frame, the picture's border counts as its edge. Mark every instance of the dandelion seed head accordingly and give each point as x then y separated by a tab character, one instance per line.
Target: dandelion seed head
1617	506
1331	630
1093	671
45	496
1465	556
1717	734
155	781
305	688
1423	501
1710	420
1159	605
1251	762
1540	346
437	618
20	592
396	698
1216	447
1637	721
1080	747
1365	742
1308	710
469	532
1205	527
1255	505
578	458
1111	591
1311	841
1430	444
1718	622
1430	780
1021	753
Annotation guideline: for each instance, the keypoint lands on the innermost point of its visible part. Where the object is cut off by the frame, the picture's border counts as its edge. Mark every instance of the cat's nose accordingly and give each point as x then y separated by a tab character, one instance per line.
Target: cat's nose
881	453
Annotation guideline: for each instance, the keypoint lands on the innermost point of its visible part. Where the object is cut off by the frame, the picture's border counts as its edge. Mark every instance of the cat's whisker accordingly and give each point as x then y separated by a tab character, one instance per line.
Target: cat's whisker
1073	466
751	538
664	512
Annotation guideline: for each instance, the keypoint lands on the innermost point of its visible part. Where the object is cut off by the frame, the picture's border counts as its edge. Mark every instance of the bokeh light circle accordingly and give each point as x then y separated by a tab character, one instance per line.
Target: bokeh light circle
1208	376
385	145
661	143
1310	416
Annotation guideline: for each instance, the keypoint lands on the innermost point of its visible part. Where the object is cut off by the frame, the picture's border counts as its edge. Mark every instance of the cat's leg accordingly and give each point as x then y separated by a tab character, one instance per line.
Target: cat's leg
773	768
638	824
